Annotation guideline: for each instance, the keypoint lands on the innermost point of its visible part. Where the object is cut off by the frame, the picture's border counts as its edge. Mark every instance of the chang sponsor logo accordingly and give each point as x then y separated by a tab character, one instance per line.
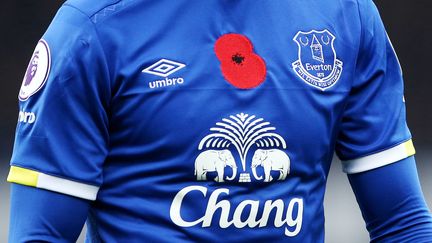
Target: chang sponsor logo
288	215
252	146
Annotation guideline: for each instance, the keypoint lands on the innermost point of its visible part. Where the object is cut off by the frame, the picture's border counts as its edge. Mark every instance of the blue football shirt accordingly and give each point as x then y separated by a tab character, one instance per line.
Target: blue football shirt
208	120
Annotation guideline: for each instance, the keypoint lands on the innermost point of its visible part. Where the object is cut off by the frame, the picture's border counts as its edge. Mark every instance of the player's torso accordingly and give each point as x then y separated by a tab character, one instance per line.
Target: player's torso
216	136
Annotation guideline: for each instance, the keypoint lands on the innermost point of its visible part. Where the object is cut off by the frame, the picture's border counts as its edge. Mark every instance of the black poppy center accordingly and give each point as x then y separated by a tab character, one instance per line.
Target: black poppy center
238	59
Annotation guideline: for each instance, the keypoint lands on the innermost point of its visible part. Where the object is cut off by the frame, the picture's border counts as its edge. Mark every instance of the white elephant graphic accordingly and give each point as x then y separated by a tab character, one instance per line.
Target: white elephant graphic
271	159
214	160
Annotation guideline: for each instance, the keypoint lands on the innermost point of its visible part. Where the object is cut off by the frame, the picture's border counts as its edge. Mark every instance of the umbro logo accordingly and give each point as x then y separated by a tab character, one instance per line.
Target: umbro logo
164	68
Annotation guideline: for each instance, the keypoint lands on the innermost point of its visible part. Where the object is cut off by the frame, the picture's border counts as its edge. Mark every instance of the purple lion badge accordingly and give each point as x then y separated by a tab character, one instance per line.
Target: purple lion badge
37	71
31	69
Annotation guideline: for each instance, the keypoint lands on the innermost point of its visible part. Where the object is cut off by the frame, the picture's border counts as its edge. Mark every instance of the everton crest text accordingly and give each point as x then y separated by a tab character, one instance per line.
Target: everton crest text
317	65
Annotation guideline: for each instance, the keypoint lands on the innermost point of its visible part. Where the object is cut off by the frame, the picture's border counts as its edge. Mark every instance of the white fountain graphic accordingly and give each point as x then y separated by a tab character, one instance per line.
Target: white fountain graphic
242	131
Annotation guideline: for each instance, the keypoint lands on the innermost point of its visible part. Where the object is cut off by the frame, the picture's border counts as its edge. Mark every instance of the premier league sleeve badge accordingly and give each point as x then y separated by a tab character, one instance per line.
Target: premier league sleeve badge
317	63
37	71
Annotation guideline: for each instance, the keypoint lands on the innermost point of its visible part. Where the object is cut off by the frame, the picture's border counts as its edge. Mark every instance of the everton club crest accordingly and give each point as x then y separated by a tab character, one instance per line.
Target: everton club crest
317	65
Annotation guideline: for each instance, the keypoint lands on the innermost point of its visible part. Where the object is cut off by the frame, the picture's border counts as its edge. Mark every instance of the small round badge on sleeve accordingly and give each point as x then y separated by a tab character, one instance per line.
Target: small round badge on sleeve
37	71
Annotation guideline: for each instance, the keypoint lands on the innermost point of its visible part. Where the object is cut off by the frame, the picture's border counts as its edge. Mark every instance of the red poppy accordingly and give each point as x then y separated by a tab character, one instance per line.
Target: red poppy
240	65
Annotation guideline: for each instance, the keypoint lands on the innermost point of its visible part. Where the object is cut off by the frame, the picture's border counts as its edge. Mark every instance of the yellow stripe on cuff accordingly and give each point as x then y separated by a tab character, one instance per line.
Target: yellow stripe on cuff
23	176
37	179
409	148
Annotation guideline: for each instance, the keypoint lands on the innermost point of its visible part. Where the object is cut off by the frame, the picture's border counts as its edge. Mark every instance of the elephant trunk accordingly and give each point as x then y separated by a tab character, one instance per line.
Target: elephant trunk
255	174
234	173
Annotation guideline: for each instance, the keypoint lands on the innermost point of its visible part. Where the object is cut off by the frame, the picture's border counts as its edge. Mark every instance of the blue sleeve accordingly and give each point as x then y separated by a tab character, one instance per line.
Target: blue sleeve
44	216
61	139
392	203
373	129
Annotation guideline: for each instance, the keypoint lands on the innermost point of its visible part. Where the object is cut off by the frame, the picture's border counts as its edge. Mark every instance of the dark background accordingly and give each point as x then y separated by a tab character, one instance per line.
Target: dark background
409	25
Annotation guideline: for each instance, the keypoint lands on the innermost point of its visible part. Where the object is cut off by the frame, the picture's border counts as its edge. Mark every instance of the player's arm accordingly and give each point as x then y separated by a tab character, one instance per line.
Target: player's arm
374	142
38	215
61	140
392	203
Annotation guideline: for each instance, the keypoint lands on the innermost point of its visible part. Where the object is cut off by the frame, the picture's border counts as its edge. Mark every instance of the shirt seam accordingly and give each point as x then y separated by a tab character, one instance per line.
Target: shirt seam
97	36
96	12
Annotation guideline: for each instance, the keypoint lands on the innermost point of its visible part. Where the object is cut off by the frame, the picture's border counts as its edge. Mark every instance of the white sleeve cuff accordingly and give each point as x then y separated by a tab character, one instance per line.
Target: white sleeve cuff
38	179
373	161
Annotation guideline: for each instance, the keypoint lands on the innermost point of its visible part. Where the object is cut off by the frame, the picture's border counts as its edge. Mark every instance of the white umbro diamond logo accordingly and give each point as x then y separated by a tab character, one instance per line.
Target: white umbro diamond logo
164	68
